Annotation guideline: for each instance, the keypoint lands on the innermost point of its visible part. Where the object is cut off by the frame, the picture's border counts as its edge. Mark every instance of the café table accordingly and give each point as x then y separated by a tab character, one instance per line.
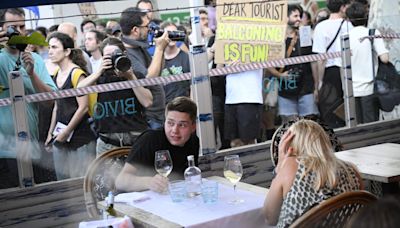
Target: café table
378	163
160	211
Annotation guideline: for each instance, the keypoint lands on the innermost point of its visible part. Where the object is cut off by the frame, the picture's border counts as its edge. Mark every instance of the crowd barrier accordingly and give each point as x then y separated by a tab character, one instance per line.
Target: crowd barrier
37	97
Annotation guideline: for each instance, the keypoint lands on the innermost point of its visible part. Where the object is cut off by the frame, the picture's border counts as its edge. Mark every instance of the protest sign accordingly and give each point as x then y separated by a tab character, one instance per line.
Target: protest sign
250	31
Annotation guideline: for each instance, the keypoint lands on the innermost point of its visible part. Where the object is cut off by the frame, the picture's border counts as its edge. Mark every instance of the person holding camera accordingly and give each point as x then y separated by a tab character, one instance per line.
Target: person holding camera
119	115
135	27
176	62
36	79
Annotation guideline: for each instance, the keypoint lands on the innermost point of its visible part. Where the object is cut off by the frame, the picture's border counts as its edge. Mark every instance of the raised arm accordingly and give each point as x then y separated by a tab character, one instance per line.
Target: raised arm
158	57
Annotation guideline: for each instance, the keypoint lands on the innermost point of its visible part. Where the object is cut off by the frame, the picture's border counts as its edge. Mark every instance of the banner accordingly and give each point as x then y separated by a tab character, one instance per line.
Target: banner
250	30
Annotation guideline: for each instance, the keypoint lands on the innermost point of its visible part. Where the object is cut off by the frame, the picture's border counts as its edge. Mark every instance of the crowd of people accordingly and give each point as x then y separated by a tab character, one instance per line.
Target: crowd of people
131	49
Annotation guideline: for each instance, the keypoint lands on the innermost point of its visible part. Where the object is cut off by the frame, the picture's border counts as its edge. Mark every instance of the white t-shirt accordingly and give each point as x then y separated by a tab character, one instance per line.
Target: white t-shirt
244	87
361	60
324	33
95	63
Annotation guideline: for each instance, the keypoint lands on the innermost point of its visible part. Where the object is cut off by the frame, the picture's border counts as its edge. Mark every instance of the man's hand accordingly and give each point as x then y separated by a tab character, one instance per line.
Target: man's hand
3	38
206	32
158	183
28	63
316	99
162	41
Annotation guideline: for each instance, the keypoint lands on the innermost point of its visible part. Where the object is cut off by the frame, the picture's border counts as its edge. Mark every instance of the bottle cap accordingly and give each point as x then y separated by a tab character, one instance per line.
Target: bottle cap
190	157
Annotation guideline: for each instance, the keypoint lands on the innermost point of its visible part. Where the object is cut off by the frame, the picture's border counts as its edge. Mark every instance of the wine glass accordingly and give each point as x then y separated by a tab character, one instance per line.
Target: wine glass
163	162
233	171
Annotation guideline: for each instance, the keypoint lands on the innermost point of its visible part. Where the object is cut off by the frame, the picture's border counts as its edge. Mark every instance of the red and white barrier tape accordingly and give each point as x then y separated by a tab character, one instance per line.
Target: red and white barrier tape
382	36
173	78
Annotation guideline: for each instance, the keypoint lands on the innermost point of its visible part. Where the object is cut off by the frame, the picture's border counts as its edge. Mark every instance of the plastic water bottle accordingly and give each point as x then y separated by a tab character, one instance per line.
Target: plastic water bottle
192	178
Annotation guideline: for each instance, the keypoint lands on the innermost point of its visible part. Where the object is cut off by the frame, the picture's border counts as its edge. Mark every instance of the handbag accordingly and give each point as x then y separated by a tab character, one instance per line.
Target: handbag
386	82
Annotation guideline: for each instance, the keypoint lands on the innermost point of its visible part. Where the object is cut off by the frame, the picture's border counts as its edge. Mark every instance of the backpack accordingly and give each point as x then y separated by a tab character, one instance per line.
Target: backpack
76	73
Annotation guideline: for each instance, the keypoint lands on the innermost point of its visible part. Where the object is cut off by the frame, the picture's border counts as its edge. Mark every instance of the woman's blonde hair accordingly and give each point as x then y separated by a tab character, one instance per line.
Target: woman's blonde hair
314	149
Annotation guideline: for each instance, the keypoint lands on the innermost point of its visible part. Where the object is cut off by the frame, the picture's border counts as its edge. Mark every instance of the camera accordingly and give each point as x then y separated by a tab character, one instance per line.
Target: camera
173	35
120	61
12	31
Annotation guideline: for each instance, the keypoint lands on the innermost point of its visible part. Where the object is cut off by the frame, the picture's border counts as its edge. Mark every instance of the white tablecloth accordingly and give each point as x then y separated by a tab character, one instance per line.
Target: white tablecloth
194	213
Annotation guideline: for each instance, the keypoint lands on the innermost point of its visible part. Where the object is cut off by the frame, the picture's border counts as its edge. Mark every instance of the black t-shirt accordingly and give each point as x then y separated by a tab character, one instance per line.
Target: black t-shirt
118	111
306	83
150	141
178	65
141	60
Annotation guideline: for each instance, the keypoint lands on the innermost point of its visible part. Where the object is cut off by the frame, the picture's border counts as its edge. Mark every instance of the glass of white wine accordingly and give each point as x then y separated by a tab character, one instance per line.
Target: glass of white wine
163	162
233	171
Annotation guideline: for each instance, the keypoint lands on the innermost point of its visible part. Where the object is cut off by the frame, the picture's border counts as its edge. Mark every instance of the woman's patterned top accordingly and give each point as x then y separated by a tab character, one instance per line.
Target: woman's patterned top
302	196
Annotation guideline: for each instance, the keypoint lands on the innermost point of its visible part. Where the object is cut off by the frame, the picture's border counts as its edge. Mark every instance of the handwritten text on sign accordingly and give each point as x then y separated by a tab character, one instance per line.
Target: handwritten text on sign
250	32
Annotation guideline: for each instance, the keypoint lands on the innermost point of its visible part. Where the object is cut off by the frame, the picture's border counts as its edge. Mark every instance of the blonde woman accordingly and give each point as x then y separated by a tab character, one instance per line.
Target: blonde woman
307	173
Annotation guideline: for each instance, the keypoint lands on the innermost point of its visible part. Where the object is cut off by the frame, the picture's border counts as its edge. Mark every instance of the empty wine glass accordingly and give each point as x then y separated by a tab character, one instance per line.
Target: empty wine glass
233	171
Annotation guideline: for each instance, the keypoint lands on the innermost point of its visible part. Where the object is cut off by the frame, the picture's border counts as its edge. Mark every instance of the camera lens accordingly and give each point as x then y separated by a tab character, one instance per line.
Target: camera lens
122	63
176	35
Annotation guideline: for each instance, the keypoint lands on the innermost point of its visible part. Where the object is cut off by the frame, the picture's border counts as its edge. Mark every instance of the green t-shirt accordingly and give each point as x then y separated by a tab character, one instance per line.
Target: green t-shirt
7	134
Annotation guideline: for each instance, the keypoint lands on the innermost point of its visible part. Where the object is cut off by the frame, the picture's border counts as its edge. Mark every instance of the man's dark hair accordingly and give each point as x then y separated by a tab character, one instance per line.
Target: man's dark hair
130	18
14	11
183	104
112	41
87	21
203	11
53	28
335	5
294	7
357	14
167	23
144	1
42	30
99	35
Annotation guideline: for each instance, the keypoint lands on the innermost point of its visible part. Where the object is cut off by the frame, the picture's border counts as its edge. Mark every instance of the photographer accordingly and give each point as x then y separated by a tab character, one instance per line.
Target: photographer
36	79
118	114
135	27
176	62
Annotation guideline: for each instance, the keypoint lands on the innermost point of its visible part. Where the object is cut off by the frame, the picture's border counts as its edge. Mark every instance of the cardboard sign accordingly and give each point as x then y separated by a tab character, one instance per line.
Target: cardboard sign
250	32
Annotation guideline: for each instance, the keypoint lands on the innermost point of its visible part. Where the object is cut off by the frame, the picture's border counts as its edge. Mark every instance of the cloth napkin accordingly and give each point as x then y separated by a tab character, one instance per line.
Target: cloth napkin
124	222
131	197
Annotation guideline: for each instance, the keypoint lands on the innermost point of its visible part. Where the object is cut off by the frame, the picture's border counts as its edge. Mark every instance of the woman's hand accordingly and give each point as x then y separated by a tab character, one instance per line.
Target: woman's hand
283	149
106	64
62	136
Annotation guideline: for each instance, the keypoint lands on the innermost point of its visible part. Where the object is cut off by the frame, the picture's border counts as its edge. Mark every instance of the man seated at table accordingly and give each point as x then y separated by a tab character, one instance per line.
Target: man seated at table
177	136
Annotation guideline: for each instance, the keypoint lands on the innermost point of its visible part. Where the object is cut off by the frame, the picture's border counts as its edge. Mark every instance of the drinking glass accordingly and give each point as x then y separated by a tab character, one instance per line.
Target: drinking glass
233	171
163	162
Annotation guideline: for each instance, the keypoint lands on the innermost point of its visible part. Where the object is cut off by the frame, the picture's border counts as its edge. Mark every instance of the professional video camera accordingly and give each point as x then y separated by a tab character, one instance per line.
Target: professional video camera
12	31
173	35
120	61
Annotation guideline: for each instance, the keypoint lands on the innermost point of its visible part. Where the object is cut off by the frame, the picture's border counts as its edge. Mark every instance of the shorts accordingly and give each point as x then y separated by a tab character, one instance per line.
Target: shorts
301	106
243	121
